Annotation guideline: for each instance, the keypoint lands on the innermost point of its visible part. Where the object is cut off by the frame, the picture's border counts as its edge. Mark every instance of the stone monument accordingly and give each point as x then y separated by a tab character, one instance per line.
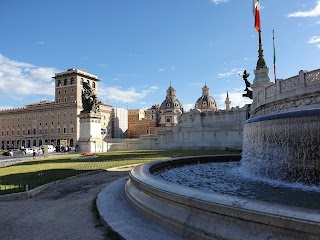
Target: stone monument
90	138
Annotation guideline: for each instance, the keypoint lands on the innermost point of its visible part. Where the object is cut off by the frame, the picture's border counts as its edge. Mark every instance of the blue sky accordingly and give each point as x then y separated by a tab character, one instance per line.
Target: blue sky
138	47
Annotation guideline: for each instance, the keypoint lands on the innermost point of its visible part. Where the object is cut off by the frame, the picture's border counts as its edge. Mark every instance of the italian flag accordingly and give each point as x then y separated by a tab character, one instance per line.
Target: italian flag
256	14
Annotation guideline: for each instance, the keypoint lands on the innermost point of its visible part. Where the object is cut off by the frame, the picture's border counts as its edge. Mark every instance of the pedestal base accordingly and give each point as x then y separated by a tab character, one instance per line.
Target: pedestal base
90	139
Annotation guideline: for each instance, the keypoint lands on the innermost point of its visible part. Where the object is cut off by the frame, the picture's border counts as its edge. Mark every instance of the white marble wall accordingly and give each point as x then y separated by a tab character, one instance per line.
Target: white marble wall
298	92
207	130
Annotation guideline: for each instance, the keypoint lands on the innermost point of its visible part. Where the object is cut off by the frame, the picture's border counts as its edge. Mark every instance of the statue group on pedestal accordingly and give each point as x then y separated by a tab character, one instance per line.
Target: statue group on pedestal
89	99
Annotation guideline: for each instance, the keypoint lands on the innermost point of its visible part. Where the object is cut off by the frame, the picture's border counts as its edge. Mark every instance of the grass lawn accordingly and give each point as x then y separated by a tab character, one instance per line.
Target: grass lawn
42	171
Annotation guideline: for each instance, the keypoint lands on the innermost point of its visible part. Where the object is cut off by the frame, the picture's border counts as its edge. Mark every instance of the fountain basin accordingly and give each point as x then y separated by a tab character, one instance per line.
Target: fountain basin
197	214
284	146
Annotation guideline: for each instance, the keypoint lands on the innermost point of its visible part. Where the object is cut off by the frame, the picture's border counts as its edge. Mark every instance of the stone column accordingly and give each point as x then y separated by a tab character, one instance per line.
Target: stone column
261	81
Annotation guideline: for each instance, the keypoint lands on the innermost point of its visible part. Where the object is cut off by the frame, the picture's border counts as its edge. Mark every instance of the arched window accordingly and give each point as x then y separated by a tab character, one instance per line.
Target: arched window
65	82
59	83
72	80
93	85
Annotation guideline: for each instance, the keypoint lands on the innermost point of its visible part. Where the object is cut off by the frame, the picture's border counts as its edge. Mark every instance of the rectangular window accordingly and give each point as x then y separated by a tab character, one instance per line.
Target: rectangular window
46	131
64	130
12	133
18	132
52	130
13	119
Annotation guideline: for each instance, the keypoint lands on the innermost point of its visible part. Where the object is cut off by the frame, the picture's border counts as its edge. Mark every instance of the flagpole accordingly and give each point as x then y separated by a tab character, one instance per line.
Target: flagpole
274	58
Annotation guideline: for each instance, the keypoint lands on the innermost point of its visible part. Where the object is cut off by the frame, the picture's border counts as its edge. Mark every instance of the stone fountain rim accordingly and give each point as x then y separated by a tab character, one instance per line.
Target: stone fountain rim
143	173
292	114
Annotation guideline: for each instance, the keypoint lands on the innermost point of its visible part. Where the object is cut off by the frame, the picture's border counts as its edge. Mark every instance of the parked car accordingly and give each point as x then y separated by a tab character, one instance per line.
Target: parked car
27	150
12	152
7	153
51	148
16	151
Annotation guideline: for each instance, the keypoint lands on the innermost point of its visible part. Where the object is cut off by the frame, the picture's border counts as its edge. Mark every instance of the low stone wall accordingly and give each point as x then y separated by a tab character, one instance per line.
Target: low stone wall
196	214
196	130
298	92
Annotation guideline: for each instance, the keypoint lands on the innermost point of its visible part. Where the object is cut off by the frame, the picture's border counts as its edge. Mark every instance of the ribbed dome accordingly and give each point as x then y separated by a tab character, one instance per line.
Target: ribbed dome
206	102
171	102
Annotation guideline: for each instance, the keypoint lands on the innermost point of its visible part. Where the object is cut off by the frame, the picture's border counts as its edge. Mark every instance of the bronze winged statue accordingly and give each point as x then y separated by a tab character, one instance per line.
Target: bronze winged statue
248	93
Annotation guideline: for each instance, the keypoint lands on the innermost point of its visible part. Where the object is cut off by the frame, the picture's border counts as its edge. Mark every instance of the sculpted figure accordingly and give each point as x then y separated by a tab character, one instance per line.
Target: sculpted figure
89	99
248	93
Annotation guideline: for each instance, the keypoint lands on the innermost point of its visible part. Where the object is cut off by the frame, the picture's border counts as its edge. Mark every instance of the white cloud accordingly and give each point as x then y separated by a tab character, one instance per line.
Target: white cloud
165	69
219	1
129	95
196	84
234	71
311	13
5	107
24	78
235	98
187	107
314	39
40	42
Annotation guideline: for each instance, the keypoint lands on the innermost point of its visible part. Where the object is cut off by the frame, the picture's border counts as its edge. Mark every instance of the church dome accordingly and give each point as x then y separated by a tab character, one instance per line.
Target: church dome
171	102
206	102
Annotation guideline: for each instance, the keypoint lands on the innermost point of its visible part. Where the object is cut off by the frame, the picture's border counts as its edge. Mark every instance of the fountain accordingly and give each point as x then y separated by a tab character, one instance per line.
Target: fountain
281	142
284	146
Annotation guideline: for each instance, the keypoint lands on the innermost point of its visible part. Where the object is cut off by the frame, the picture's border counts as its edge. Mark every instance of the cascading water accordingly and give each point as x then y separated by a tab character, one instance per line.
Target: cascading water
284	146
